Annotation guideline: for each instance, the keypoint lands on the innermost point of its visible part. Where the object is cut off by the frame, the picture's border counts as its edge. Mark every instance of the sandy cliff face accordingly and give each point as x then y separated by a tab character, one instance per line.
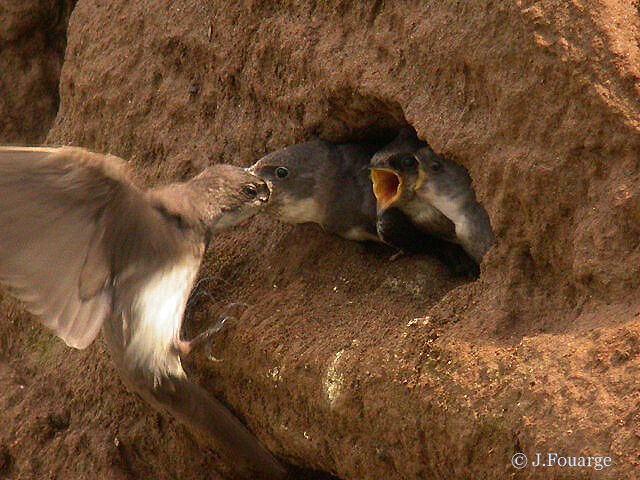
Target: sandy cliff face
32	43
540	102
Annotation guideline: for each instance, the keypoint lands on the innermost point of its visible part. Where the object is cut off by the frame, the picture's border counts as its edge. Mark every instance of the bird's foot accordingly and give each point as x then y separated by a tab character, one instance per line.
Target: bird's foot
231	313
397	255
187	346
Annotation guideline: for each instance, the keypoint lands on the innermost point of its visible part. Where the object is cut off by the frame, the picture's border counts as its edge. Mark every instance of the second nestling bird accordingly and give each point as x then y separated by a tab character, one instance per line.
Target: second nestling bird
433	191
329	184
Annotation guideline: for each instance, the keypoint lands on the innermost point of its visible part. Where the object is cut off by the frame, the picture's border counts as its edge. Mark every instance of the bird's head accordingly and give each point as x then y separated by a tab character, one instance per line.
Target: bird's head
295	175
395	179
443	183
394	170
231	195
401	177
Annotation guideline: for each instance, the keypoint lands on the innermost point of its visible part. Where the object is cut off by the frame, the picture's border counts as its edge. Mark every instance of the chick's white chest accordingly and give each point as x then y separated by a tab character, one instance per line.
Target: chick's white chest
303	210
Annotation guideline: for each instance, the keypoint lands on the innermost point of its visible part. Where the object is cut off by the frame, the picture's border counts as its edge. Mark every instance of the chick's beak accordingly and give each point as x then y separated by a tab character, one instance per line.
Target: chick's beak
387	187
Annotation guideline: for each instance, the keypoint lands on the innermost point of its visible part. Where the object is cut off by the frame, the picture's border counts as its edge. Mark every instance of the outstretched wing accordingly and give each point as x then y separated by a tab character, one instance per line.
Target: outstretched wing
59	231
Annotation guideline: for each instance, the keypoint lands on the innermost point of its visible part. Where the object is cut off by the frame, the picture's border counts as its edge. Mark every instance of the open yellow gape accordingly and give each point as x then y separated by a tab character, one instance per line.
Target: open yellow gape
387	187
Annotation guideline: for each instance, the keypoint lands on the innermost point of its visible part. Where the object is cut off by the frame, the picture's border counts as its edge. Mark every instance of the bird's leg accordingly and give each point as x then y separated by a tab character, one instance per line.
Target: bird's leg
187	346
397	255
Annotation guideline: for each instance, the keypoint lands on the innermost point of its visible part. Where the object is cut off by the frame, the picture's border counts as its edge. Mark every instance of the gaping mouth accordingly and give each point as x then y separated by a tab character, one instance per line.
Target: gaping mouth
387	187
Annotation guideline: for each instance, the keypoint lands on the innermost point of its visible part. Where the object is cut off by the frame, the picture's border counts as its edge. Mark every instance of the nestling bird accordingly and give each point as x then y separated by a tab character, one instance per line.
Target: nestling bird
329	184
434	192
85	249
323	183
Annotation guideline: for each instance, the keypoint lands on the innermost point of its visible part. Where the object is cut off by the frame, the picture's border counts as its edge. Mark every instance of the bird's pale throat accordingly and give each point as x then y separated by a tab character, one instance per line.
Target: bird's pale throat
387	187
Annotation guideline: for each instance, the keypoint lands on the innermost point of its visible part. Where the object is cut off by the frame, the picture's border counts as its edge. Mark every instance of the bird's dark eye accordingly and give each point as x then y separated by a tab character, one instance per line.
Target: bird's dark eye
408	161
435	166
250	190
282	172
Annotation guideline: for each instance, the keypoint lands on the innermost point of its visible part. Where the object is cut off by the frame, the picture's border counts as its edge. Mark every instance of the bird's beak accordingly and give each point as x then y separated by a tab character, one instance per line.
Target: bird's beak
264	192
387	187
254	171
422	177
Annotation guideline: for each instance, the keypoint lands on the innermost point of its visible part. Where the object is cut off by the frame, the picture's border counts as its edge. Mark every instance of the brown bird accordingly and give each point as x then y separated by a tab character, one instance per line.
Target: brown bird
85	249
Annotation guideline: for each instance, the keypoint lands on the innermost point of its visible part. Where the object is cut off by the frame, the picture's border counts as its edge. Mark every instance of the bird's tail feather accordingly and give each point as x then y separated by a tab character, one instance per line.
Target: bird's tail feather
193	406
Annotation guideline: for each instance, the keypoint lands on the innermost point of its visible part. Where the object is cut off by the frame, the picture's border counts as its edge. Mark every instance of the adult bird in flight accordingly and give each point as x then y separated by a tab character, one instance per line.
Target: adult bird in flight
86	250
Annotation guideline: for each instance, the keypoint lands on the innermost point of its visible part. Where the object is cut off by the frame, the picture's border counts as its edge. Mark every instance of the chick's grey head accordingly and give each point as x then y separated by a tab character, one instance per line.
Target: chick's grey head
395	179
394	171
228	195
442	182
297	177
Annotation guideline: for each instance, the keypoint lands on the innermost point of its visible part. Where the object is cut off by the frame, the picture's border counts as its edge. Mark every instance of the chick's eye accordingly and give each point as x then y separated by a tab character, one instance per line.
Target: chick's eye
282	172
436	166
408	161
250	190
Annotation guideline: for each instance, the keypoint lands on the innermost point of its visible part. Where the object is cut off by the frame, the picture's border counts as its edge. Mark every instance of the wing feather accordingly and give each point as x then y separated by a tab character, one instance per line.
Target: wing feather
59	210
